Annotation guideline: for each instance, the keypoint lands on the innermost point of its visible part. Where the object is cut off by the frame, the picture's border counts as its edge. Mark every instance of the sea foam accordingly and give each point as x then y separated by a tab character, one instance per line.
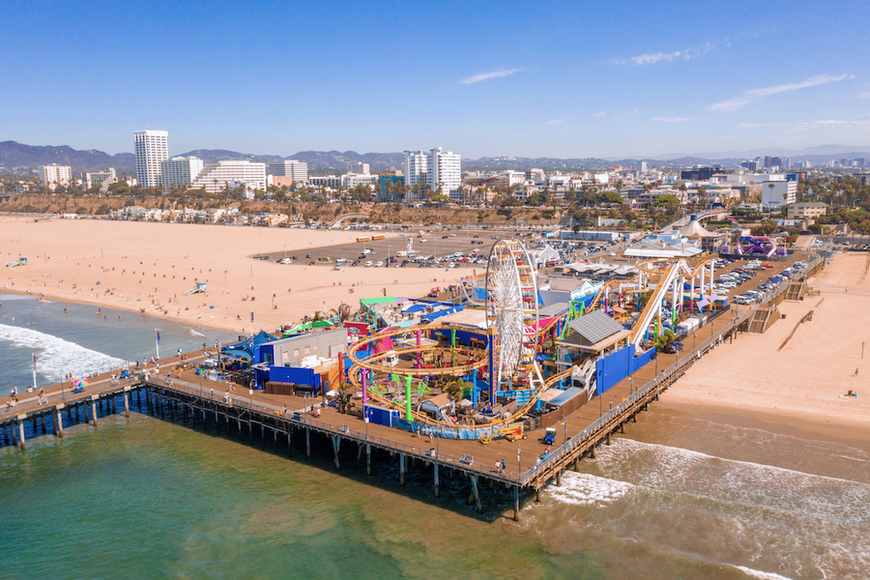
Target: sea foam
588	490
55	356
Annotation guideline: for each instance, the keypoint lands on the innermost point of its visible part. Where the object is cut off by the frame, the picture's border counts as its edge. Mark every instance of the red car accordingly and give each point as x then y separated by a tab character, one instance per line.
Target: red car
766	266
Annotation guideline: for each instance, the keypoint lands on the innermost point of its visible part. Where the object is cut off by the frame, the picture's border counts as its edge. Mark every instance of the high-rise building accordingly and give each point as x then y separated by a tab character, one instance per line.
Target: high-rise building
296	170
54	175
436	169
179	171
215	177
152	148
95	179
358	168
641	167
750	165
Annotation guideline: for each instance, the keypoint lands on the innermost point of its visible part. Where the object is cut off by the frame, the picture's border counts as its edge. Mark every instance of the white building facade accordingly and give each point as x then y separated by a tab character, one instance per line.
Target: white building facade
54	175
152	149
179	171
777	193
216	177
95	179
296	170
437	169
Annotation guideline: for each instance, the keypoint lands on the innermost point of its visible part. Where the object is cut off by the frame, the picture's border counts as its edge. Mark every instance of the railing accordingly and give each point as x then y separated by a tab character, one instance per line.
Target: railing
614	416
274	412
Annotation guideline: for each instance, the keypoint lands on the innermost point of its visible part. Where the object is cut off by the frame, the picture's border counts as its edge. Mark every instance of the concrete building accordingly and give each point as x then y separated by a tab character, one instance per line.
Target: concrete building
296	170
806	210
54	175
216	177
777	193
152	149
96	179
358	167
179	171
641	167
437	169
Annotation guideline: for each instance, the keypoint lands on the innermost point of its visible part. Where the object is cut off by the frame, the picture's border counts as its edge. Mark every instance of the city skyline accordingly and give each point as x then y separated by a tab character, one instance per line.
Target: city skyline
484	80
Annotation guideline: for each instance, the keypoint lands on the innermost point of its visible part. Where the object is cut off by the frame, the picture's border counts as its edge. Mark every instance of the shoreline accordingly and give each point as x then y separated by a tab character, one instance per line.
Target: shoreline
147	268
849	432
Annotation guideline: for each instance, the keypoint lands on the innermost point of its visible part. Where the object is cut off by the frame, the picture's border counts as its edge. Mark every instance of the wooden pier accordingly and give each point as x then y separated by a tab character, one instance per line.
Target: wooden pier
278	419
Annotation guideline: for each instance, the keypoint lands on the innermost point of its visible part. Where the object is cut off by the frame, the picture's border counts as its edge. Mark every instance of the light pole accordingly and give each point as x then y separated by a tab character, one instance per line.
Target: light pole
565	427
251	393
366	419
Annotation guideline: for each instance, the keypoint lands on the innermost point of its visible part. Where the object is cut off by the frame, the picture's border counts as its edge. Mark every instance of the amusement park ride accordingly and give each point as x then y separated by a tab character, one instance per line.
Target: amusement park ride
513	340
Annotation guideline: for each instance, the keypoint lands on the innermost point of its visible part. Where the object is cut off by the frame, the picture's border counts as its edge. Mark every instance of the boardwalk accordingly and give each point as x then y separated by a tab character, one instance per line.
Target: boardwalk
527	467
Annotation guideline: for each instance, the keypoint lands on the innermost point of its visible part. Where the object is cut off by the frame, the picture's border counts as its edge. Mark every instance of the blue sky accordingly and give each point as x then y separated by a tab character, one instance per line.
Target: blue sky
559	79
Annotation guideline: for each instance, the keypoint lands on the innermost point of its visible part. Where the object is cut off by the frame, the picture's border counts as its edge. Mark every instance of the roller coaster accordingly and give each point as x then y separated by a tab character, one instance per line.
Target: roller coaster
375	372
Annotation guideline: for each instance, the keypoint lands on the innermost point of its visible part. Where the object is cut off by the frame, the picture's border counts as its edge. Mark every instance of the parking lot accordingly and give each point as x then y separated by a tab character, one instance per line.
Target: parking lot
442	249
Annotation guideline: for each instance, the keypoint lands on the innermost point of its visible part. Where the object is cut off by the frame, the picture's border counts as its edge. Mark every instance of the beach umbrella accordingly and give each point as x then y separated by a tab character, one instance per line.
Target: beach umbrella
80	382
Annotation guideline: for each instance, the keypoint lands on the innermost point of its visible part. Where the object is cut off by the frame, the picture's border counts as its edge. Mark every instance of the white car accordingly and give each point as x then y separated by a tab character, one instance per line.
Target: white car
369	263
379	264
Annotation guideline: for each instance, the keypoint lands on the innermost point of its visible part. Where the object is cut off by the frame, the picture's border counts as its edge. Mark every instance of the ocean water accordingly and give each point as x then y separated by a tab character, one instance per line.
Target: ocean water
675	497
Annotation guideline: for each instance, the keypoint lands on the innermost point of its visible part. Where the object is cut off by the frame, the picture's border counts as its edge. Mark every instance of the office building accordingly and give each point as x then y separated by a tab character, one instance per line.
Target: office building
358	168
390	185
152	149
96	179
55	175
777	193
216	177
179	171
296	171
641	167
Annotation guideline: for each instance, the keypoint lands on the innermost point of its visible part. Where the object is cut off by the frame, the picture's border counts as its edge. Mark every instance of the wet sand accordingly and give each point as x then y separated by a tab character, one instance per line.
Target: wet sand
147	267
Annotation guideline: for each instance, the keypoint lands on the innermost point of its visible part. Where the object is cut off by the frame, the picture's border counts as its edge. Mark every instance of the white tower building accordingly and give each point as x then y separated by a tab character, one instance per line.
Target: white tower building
152	148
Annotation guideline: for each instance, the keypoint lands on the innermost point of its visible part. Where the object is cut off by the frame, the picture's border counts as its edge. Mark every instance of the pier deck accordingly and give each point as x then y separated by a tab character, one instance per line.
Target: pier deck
527	467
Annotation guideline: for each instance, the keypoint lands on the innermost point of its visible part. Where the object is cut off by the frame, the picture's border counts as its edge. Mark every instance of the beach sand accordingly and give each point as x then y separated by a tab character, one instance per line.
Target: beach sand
147	267
794	388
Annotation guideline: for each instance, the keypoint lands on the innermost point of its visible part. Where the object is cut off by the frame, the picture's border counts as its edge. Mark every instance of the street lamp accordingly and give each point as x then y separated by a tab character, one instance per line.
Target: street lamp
366	419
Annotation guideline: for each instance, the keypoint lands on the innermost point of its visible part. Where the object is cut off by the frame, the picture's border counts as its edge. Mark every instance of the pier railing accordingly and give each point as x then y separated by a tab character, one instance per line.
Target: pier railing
302	419
620	413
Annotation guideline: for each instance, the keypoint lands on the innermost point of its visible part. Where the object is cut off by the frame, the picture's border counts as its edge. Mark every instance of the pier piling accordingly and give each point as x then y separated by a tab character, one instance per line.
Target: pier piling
58	421
402	470
21	420
437	491
368	459
516	503
94	409
336	444
475	495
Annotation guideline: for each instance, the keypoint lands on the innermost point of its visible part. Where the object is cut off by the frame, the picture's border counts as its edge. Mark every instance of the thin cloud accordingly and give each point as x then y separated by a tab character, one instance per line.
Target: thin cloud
600	114
673	119
818	123
489	75
753	95
556	121
864	95
654	57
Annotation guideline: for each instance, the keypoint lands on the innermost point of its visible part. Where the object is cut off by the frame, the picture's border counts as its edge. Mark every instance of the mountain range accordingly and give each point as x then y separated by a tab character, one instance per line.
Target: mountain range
19	159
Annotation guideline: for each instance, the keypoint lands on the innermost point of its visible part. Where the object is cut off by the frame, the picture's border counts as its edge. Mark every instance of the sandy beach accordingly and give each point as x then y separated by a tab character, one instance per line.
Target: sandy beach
795	388
147	267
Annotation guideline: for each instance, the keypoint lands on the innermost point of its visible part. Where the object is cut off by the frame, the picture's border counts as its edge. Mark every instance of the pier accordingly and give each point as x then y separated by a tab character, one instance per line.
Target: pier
279	420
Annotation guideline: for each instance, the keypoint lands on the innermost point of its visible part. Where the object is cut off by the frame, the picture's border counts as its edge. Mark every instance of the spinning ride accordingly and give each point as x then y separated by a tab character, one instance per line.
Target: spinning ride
512	318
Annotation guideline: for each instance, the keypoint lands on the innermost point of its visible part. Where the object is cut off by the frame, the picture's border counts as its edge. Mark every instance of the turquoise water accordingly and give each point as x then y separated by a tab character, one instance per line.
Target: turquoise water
676	497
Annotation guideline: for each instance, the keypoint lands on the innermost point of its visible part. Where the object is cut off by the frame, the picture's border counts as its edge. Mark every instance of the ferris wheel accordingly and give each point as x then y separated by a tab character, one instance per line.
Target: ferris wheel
512	317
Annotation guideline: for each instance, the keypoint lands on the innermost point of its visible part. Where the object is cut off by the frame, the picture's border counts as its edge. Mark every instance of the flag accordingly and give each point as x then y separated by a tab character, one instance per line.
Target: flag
158	336
252	316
